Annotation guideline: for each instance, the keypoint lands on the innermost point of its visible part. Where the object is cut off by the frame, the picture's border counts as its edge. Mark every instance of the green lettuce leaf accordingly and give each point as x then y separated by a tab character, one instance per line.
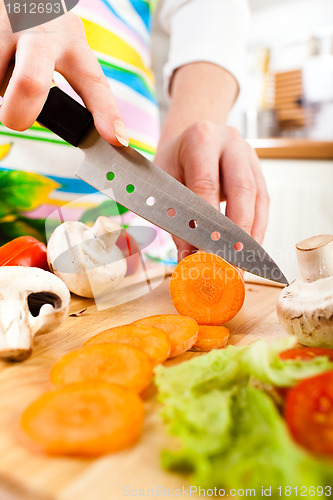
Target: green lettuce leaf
261	359
231	433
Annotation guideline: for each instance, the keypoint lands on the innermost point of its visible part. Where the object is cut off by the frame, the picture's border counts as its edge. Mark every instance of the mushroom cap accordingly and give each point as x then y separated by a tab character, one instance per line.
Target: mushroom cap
31	301
86	258
34	280
305	310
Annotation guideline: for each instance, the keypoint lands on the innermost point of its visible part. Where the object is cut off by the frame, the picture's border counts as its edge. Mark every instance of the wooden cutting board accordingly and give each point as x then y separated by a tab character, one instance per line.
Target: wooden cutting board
28	476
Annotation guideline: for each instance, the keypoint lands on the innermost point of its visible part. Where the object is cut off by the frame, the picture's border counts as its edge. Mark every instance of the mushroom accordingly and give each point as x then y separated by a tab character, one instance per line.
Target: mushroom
305	307
87	258
31	301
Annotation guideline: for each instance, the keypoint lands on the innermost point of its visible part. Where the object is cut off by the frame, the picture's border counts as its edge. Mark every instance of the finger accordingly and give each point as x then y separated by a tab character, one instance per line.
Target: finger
199	158
184	249
7	45
30	83
239	185
6	56
81	69
262	199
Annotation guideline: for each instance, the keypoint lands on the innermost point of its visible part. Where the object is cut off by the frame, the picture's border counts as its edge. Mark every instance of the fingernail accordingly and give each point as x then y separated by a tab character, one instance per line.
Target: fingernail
120	132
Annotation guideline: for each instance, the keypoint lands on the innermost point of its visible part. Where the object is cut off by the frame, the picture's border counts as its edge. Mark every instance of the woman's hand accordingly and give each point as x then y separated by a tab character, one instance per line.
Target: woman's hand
208	157
59	45
217	164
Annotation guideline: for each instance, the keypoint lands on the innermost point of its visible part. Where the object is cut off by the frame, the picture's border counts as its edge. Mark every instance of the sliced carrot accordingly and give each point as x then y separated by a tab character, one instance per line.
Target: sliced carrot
149	339
114	363
84	419
205	287
211	337
182	331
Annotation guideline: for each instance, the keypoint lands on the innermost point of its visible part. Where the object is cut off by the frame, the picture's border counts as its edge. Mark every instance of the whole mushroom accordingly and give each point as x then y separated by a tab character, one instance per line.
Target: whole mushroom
31	301
87	258
305	307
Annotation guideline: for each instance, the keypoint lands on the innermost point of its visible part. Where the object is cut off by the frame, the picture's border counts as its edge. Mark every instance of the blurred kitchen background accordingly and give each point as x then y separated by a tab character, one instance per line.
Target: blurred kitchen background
285	110
288	88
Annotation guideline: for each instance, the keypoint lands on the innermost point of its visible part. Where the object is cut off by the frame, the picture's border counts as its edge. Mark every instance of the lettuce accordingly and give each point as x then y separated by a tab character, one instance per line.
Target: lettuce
231	433
262	360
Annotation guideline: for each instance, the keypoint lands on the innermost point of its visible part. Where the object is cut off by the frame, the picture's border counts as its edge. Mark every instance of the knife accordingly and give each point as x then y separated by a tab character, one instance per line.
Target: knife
127	177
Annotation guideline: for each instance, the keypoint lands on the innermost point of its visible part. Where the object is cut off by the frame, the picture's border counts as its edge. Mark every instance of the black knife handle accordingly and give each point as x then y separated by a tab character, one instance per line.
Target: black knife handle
65	117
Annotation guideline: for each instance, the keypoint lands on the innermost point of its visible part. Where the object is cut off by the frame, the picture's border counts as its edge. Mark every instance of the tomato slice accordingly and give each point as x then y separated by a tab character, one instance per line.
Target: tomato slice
306	353
309	413
24	251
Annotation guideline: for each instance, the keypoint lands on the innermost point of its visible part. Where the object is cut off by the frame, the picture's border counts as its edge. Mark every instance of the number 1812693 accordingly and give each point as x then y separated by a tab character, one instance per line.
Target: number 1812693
34	8
305	491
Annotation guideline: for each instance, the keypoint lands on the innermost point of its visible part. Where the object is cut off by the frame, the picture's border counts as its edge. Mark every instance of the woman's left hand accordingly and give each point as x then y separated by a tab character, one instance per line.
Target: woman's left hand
217	164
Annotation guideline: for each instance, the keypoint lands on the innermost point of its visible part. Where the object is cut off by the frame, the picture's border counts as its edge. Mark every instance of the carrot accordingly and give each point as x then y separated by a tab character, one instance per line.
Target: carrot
207	288
211	337
85	419
182	331
114	363
153	341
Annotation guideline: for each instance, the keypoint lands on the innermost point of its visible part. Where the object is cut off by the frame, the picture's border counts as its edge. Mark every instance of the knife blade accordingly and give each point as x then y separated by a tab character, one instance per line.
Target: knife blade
126	176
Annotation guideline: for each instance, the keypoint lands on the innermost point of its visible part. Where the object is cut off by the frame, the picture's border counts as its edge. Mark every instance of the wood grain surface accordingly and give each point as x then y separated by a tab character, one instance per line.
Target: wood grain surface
28	476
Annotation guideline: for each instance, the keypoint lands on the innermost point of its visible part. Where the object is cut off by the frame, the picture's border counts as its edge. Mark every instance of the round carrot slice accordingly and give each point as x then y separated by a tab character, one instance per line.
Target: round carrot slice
181	331
211	337
114	363
149	339
205	287
84	419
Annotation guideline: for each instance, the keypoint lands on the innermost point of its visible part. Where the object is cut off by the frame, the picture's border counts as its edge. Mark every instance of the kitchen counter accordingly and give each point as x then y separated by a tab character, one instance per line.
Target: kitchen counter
28	476
299	176
290	148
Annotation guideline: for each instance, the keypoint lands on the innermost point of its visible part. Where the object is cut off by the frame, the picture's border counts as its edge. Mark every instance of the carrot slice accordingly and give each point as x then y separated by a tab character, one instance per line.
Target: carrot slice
182	331
207	288
211	337
114	363
84	419
153	341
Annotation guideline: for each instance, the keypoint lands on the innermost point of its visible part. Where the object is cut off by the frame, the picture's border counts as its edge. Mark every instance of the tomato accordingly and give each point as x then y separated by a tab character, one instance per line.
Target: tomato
309	413
131	250
306	353
302	354
24	251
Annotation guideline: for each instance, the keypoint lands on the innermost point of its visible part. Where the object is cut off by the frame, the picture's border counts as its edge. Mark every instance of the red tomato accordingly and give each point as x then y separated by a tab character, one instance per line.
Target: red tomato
130	248
309	413
302	354
306	353
24	251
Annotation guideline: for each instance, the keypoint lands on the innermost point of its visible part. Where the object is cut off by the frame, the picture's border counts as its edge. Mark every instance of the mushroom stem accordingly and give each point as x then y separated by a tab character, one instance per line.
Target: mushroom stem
31	300
305	307
16	342
314	257
87	258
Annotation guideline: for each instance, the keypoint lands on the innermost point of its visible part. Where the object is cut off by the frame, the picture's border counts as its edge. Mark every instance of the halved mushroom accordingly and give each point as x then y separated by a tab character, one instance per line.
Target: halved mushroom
305	307
31	301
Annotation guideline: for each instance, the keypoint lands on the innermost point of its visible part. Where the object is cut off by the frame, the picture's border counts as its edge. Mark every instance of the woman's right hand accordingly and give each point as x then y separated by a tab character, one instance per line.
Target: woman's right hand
59	45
